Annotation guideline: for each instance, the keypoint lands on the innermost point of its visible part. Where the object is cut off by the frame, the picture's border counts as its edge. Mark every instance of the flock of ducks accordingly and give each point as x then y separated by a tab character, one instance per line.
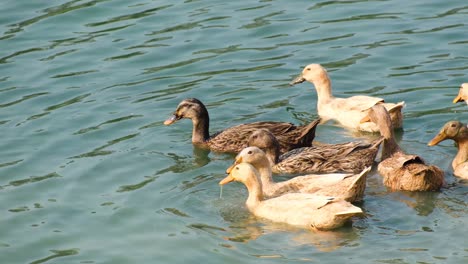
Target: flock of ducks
335	173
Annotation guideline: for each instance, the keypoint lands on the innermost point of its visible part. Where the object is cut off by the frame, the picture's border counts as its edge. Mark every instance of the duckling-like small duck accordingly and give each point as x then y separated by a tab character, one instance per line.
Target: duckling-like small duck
462	94
235	138
347	111
351	157
458	132
349	187
299	209
402	171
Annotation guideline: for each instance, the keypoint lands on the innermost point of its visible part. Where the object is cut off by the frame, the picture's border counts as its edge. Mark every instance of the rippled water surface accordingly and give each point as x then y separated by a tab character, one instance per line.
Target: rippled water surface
89	173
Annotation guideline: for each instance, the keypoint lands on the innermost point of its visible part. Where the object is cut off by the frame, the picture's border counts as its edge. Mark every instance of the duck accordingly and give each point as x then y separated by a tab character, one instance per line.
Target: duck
234	139
310	211
346	111
349	187
462	94
350	157
458	132
401	171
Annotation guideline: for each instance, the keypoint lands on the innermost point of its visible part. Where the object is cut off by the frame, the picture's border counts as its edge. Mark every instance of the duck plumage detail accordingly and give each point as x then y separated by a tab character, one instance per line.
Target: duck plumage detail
305	210
350	187
346	111
350	157
235	138
458	132
402	171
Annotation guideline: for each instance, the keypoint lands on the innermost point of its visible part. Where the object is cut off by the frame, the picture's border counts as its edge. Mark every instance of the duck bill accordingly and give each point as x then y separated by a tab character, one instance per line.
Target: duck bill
226	180
171	120
436	139
298	79
237	161
458	99
365	119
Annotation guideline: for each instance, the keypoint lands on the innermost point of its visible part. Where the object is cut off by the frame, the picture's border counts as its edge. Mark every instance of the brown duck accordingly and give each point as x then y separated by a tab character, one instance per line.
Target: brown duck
234	139
402	171
458	132
351	157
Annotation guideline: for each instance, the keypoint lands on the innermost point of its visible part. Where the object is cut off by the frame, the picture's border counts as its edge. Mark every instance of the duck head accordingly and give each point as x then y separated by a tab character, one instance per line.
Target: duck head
312	73
462	94
451	130
252	155
190	108
242	172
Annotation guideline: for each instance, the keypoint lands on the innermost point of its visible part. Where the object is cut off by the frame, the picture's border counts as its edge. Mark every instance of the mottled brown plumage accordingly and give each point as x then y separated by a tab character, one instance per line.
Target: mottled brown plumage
402	171
351	157
234	139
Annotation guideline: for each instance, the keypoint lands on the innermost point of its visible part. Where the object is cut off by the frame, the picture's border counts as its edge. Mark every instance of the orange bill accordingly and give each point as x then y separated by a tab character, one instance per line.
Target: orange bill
437	139
226	180
458	99
237	161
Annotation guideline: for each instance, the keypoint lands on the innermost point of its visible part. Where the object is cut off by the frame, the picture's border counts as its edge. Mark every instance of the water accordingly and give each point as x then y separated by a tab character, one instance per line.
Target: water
89	174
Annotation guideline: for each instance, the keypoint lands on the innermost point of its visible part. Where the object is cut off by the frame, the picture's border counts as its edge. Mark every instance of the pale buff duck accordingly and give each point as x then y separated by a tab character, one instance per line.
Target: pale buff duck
346	111
305	210
462	94
351	157
235	138
349	187
458	132
402	171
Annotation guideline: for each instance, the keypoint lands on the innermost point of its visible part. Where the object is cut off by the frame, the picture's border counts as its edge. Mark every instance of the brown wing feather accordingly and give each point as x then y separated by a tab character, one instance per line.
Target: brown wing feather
350	157
290	136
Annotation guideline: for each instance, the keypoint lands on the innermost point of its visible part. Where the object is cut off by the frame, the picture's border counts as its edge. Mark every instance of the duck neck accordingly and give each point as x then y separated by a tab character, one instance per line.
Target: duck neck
324	89
254	187
390	146
462	155
272	155
264	169
200	132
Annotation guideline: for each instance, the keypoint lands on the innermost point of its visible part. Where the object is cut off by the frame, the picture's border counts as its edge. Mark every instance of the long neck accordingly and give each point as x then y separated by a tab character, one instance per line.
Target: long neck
254	188
264	169
390	146
462	155
201	125
272	155
324	89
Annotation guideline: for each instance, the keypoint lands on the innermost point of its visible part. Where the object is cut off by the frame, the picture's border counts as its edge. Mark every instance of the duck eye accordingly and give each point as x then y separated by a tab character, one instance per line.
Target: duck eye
237	168
250	152
308	69
453	125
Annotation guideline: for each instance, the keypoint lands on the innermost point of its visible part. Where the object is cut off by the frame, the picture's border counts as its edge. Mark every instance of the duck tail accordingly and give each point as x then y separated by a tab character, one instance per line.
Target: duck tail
397	107
351	211
308	133
358	186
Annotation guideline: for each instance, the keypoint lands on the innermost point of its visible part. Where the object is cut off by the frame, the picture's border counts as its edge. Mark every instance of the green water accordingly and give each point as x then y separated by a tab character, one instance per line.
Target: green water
89	174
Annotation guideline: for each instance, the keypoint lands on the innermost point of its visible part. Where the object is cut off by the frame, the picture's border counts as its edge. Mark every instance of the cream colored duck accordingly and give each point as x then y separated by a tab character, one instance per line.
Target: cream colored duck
458	132
462	94
350	157
341	185
235	138
346	111
298	209
402	171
